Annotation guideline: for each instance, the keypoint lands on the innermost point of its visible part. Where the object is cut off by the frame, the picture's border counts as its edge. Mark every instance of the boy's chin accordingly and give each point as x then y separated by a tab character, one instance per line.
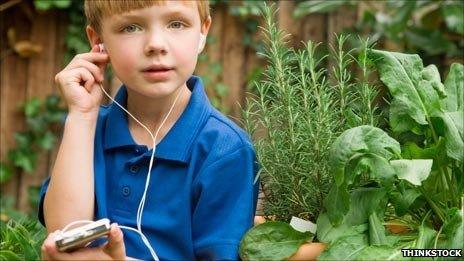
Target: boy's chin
158	90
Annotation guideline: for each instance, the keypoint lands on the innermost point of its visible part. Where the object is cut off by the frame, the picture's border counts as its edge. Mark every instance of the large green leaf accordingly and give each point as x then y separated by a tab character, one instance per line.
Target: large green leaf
414	171
360	140
454	87
401	73
345	248
376	230
337	203
453	126
380	253
357	248
416	95
453	117
363	202
272	241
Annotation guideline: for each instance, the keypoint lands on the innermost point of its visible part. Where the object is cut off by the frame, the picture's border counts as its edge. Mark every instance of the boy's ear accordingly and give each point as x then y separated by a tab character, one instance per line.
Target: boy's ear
93	36
206	25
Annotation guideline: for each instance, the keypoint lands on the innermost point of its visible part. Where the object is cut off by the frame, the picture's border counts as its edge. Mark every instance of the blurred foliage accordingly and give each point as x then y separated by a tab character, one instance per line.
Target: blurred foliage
21	239
42	117
432	28
21	235
48	4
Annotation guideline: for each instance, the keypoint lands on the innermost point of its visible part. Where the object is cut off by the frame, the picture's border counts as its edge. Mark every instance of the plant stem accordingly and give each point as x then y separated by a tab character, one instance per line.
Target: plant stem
432	205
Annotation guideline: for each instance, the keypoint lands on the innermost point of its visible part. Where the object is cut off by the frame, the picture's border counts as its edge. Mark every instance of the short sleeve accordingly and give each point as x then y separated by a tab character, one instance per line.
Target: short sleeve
42	192
225	203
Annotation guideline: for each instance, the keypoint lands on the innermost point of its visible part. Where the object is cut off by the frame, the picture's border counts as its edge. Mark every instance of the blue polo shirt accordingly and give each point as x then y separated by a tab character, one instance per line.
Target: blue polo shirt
201	199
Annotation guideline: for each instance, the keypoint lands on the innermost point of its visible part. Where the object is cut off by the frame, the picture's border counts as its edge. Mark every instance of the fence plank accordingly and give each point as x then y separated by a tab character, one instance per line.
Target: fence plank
40	84
233	63
13	91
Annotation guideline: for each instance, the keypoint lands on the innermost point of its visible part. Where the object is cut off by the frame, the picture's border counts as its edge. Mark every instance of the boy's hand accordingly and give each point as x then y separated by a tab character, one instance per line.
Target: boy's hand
113	250
79	81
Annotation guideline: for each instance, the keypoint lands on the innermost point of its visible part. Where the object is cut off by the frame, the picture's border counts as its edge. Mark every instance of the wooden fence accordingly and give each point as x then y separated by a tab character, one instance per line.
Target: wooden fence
24	78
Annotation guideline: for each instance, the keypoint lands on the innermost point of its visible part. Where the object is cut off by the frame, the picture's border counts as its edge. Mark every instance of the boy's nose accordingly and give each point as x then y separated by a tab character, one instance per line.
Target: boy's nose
155	44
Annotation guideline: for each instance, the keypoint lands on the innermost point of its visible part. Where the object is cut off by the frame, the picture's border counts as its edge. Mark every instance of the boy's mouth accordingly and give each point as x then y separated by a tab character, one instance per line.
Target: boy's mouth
157	68
157	72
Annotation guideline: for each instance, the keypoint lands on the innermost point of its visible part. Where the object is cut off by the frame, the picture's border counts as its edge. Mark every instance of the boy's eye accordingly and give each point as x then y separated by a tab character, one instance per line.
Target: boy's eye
176	25
130	28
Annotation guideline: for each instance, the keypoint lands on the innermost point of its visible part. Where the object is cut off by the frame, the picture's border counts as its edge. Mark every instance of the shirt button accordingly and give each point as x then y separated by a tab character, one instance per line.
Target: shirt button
126	191
134	168
137	150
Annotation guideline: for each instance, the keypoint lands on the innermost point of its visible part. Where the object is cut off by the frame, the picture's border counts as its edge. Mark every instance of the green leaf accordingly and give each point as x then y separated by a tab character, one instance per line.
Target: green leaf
23	159
414	171
454	88
362	202
436	152
431	74
454	112
47	140
402	201
380	253
5	173
454	229
376	230
32	107
9	255
402	74
337	203
377	167
355	141
62	3
43	4
345	248
453	123
425	238
452	11
23	140
318	6
272	241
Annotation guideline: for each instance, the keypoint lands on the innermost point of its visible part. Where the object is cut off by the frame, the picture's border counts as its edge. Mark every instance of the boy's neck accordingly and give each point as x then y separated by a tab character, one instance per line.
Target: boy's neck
151	113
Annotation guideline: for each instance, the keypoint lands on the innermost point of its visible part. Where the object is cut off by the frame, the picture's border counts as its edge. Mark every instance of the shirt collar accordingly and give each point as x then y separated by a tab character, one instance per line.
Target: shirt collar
177	142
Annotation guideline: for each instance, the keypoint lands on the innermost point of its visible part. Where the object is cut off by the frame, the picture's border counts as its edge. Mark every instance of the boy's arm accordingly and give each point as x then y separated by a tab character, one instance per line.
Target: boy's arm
70	194
225	204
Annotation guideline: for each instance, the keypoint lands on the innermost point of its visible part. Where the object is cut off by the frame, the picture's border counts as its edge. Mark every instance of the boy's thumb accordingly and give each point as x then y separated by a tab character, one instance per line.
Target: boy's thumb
115	246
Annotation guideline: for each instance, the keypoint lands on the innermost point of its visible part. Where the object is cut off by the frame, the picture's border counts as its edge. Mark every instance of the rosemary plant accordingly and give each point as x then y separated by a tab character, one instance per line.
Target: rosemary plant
295	115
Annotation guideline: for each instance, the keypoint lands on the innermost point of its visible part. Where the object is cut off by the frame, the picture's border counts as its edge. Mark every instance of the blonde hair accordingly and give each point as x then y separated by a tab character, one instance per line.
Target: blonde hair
95	10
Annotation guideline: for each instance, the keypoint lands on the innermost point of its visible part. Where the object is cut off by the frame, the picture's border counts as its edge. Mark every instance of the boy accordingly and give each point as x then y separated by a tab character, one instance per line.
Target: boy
201	197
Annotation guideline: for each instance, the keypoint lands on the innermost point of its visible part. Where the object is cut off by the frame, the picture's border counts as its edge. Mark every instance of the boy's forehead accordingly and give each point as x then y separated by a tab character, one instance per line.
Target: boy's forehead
162	8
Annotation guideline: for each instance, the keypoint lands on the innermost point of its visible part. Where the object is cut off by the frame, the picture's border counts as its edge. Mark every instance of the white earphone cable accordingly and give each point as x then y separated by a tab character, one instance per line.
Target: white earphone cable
147	182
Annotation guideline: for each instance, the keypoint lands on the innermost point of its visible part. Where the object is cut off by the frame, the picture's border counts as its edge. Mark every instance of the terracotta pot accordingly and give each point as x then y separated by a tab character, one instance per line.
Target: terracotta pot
261	219
309	251
398	228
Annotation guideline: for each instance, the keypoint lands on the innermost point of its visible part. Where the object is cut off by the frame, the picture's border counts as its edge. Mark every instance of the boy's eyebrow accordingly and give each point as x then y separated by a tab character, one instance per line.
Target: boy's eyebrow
167	14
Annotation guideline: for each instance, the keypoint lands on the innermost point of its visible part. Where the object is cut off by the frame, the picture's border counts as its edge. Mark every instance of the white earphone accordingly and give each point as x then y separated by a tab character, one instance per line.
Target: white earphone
102	47
202	43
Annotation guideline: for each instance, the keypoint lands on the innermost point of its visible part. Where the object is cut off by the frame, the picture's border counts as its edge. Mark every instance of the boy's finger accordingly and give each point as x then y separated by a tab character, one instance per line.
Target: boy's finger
115	246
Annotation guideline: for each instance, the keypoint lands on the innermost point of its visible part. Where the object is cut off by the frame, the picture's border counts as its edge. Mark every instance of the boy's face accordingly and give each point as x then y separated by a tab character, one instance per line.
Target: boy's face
166	35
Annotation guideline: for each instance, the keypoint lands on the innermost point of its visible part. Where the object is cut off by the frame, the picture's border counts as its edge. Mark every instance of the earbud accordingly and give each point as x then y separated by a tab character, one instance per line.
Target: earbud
201	43
101	46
